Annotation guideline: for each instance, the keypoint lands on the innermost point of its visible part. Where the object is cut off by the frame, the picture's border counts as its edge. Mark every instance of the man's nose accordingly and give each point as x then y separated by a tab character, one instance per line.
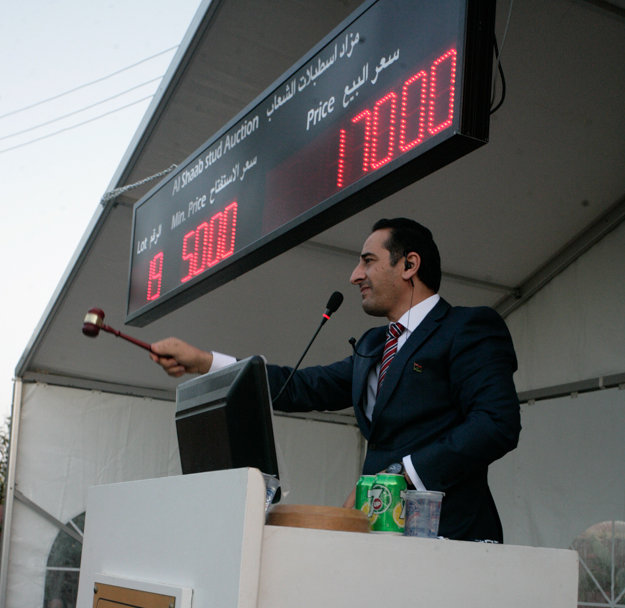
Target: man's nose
357	275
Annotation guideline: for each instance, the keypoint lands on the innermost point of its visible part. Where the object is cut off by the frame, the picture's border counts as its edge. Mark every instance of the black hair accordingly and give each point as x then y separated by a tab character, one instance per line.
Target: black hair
406	235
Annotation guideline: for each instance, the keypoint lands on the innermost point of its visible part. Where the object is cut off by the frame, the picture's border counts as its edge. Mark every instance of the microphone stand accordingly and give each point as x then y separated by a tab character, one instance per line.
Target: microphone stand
323	320
332	306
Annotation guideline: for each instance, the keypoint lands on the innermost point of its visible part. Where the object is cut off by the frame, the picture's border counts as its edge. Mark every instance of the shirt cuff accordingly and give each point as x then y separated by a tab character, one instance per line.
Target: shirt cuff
220	361
412	473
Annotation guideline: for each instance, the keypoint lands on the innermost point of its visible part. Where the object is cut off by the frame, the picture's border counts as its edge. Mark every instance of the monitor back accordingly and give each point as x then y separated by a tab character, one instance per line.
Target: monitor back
224	420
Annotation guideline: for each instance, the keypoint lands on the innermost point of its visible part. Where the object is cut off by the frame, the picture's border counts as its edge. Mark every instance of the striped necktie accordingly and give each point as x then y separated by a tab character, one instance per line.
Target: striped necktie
390	348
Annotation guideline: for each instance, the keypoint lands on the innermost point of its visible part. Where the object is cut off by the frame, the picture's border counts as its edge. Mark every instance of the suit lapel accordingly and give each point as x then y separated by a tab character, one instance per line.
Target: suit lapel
397	367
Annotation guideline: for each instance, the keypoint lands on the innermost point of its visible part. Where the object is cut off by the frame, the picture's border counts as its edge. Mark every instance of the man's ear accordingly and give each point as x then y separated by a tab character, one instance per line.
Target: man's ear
412	262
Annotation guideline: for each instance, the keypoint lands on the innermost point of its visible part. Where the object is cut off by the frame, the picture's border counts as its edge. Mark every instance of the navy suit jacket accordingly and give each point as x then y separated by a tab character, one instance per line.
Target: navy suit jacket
448	400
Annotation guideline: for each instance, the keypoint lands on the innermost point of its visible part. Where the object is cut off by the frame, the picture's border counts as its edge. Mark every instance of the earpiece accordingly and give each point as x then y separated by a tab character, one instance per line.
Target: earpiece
407	266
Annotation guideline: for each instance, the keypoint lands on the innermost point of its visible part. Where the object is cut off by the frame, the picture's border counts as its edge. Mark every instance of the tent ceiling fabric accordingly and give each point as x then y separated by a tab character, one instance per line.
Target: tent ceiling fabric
554	164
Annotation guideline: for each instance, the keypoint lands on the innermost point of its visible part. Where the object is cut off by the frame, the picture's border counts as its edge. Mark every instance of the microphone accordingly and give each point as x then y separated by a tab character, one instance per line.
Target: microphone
336	299
352	341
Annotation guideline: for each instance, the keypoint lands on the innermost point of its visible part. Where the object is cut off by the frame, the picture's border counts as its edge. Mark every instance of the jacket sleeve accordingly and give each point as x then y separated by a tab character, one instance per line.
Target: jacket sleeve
323	387
481	363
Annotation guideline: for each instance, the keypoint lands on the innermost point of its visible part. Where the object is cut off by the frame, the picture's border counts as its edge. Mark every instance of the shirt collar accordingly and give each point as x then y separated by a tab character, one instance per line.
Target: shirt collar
413	316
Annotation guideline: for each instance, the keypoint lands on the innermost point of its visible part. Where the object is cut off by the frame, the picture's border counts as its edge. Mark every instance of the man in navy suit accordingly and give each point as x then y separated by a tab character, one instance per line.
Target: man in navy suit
446	407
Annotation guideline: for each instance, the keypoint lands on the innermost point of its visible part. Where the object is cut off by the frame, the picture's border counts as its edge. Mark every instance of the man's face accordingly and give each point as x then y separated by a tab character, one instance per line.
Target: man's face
379	283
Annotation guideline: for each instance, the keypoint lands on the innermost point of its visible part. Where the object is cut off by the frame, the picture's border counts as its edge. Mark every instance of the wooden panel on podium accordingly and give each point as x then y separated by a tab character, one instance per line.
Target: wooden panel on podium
113	596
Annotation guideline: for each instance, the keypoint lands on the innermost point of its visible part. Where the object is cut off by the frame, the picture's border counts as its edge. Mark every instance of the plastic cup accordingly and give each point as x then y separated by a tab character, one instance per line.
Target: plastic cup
423	512
272	483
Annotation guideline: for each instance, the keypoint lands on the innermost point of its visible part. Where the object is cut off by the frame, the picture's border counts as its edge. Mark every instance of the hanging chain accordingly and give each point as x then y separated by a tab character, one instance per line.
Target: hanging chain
112	194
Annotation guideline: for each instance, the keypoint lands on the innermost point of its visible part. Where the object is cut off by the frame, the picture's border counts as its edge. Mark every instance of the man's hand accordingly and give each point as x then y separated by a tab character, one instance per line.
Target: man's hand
177	357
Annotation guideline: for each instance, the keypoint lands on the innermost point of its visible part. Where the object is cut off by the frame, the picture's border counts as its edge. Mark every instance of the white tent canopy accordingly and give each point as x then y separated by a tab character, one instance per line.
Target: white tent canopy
531	224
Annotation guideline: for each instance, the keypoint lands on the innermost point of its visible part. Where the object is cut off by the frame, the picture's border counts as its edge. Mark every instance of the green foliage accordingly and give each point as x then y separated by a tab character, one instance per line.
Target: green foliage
5	431
601	551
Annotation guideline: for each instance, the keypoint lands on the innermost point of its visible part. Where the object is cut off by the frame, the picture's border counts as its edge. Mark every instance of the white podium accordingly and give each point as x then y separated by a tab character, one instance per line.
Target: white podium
201	541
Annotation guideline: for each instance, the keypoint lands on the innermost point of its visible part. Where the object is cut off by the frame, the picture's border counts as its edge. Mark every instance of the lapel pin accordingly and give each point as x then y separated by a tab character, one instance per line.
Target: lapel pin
417	367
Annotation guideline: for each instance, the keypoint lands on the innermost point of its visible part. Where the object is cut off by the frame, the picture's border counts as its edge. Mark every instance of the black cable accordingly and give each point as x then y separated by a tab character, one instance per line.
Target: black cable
493	109
80	124
83	109
87	84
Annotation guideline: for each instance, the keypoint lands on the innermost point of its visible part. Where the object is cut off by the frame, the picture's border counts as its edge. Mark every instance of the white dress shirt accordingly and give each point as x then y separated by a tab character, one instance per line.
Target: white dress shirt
410	320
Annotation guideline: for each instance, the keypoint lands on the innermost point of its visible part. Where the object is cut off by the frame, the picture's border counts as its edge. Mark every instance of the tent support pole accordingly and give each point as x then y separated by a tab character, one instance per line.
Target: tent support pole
53	520
16	414
573	388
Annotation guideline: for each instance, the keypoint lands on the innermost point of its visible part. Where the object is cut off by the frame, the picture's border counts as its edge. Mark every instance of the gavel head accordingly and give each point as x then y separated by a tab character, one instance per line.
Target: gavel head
92	323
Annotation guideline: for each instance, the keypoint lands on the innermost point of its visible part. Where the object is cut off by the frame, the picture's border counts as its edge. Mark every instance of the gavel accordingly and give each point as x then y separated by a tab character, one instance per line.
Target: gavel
94	322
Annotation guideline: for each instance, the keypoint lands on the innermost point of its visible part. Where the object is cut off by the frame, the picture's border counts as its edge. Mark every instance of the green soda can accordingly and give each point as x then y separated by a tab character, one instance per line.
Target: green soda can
387	503
363	501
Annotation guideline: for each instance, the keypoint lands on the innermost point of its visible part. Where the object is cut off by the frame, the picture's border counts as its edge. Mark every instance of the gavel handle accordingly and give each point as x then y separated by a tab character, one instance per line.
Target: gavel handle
119	334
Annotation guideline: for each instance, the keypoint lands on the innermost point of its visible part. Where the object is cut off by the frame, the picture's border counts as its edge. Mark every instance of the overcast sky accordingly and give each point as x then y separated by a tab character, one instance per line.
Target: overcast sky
50	188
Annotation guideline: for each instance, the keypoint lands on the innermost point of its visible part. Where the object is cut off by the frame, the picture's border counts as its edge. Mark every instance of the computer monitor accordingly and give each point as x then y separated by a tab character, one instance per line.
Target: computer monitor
224	420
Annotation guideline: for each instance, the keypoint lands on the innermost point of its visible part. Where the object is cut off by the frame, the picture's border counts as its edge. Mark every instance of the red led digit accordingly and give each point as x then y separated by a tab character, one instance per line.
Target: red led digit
445	94
204	237
365	116
340	173
391	100
211	253
189	255
227	231
155	276
407	110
